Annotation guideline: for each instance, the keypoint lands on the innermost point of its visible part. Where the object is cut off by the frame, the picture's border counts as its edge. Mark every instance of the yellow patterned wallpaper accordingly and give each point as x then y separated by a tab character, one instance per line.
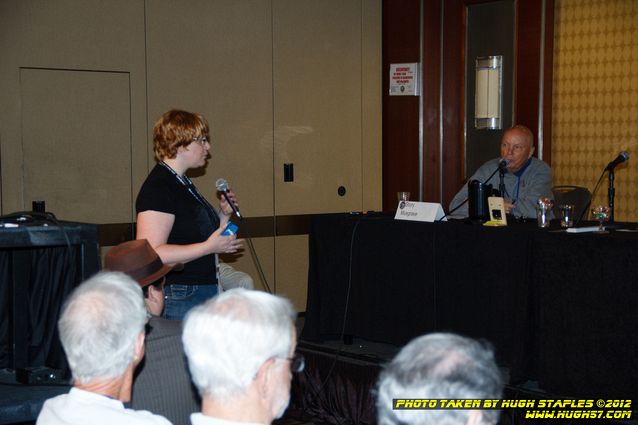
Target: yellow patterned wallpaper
595	99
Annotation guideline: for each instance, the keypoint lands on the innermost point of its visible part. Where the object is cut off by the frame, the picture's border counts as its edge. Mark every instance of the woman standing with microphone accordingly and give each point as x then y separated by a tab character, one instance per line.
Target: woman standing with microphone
179	223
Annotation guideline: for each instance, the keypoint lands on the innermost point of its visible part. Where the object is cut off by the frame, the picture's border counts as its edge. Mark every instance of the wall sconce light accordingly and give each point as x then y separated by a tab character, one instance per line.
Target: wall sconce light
488	102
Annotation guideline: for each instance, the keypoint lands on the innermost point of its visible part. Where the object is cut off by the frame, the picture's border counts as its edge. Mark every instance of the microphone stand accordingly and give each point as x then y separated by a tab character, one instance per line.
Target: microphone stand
501	184
249	239
611	192
502	166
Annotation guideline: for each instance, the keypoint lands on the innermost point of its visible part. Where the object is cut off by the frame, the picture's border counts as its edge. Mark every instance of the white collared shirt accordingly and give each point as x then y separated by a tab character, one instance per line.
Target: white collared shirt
80	407
201	419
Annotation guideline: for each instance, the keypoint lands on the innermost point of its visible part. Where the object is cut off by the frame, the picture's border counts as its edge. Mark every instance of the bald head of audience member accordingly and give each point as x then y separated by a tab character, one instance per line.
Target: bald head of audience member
240	347
440	366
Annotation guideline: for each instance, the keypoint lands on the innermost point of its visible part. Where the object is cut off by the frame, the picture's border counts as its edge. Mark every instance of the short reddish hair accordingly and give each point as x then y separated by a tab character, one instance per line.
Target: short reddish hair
177	128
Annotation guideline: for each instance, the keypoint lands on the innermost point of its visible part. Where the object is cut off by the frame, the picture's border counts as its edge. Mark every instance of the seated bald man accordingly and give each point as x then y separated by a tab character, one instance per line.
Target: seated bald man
527	178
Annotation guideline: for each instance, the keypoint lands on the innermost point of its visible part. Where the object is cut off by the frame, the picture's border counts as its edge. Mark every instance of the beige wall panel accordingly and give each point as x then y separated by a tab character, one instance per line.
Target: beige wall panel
291	269
10	165
371	149
91	35
215	57
76	141
595	99
84	34
244	262
317	62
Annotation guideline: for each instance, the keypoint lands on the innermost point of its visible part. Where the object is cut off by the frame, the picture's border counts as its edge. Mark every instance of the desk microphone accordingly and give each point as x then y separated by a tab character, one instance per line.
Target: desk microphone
611	191
222	186
502	167
622	157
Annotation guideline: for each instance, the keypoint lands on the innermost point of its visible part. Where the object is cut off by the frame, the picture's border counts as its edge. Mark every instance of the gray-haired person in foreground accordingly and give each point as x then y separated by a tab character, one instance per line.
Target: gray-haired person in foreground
102	333
240	347
440	366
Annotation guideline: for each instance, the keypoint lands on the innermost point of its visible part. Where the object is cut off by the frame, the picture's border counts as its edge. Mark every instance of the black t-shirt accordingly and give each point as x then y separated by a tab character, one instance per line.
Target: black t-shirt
163	192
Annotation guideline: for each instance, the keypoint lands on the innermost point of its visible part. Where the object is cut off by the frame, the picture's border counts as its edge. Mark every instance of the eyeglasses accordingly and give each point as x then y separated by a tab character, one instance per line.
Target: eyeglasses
202	140
297	362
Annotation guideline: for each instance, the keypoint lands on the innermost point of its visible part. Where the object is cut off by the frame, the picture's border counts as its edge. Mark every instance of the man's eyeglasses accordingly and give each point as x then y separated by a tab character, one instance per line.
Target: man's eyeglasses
202	140
297	362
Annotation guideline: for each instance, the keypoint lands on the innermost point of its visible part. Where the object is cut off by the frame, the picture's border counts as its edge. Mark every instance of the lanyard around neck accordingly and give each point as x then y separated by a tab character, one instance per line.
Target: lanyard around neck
184	180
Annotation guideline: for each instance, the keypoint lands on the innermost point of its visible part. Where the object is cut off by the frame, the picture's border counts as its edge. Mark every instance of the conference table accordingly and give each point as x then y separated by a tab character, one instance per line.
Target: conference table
558	307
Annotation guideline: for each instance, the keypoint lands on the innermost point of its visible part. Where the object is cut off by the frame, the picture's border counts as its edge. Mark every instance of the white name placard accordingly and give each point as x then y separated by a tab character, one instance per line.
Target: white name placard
419	211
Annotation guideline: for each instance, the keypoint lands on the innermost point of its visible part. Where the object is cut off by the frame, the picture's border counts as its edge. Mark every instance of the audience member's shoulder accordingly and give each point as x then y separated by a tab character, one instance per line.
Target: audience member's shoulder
160	322
76	406
144	417
159	327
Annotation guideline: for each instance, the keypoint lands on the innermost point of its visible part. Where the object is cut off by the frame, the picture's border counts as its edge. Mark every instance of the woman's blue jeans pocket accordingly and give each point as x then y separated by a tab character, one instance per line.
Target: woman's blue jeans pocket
179	299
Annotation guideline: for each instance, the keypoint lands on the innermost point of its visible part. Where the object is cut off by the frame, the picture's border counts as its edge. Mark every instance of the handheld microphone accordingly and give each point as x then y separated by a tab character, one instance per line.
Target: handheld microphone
222	186
622	157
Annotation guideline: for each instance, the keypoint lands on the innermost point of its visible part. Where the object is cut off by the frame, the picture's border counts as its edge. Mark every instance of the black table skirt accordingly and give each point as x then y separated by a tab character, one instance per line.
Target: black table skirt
556	306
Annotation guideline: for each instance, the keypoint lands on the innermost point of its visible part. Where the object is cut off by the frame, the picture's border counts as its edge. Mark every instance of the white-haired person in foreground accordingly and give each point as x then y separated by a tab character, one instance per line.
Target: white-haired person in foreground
240	347
439	366
102	332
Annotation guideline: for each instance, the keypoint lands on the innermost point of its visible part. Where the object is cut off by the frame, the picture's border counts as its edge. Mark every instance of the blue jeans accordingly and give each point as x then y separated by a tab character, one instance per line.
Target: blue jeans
178	299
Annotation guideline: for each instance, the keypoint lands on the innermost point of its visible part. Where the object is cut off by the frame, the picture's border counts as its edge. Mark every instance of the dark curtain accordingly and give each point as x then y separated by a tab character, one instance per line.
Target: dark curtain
5	294
334	390
53	273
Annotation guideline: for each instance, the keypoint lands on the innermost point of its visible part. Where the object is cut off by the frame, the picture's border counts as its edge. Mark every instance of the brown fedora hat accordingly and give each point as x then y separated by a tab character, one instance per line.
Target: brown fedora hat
139	260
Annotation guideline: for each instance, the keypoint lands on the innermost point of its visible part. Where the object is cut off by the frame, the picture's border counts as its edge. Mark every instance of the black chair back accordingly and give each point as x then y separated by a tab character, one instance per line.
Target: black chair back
578	196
